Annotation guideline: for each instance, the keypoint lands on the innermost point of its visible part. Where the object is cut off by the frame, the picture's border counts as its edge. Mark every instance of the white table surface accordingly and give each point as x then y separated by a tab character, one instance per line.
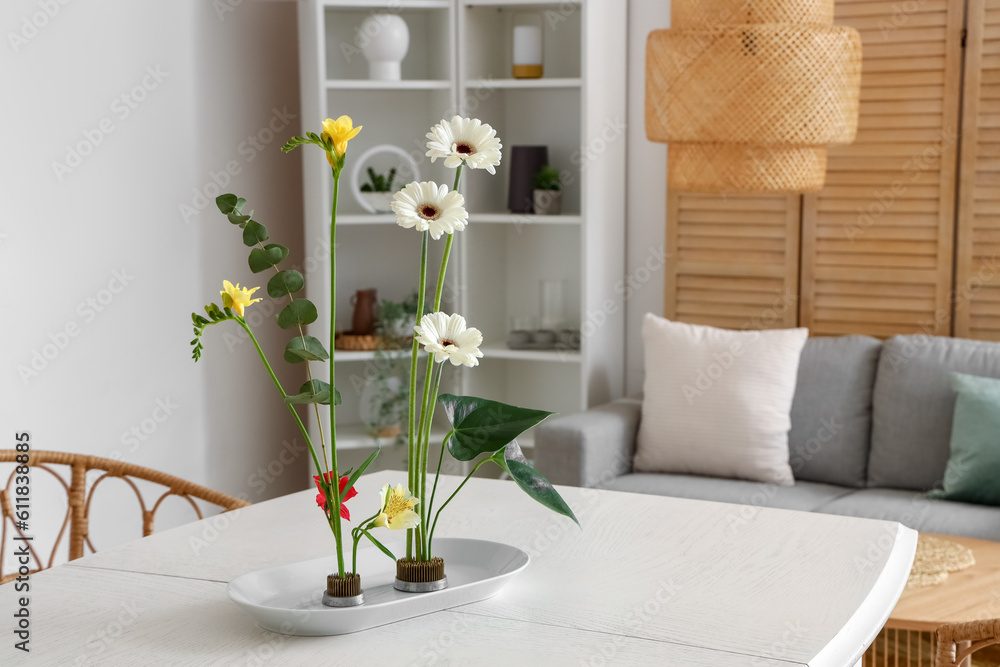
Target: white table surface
649	580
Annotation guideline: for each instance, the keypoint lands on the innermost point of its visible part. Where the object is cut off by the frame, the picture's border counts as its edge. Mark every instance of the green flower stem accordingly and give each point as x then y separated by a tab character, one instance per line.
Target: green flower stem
439	293
430	539
430	397
429	408
356	534
384	549
411	416
437	475
291	408
335	508
418	480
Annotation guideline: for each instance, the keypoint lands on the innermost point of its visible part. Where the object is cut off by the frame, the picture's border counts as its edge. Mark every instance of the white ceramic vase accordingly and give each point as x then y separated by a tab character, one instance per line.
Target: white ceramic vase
388	41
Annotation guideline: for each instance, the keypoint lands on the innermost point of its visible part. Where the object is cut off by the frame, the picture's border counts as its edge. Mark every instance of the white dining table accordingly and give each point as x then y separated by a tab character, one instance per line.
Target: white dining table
647	580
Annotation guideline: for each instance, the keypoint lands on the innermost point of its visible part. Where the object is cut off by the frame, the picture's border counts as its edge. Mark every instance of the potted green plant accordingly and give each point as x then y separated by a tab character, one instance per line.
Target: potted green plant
378	190
386	395
548	191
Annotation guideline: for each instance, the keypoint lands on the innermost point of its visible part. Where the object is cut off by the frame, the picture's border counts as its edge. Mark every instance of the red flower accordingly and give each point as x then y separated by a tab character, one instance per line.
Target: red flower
321	496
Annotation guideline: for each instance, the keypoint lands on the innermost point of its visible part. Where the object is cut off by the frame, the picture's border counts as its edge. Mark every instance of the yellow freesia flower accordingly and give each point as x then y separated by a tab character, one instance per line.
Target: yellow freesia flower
397	509
237	297
339	131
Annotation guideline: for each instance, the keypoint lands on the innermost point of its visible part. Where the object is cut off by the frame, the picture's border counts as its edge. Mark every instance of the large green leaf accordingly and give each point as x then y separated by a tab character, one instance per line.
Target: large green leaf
482	426
262	259
285	282
532	482
305	348
314	391
300	311
254	233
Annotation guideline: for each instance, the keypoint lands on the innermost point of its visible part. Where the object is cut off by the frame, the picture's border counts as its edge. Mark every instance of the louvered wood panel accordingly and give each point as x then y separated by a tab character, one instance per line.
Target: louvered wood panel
733	260
977	283
877	241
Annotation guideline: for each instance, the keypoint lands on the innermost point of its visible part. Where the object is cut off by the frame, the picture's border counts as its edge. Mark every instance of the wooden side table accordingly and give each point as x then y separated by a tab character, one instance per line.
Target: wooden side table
968	595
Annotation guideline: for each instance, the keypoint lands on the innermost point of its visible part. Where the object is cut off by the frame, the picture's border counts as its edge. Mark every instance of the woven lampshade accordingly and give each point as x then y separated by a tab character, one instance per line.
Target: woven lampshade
749	93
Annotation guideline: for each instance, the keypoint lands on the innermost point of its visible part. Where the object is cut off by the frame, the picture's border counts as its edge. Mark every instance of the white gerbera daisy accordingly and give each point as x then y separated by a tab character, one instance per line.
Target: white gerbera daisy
429	206
466	140
447	337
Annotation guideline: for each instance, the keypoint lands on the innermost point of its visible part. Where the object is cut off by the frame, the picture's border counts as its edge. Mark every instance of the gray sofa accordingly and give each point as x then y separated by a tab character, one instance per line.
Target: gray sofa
871	424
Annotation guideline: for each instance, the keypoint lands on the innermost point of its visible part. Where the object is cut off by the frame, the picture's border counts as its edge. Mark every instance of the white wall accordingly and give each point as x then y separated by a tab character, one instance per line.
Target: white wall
646	194
100	268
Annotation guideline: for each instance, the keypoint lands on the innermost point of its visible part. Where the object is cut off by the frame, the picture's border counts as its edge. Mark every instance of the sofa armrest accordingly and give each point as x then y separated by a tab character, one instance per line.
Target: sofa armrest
589	448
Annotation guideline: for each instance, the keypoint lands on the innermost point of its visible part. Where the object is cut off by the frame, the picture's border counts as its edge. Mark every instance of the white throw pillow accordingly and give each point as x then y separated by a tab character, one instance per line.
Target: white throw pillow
717	402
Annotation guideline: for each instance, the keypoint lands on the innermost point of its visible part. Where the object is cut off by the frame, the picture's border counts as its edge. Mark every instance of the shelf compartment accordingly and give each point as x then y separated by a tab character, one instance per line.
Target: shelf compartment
378	111
514	113
369	84
557	356
522	4
431	35
524	219
544	82
381	4
488	35
525	382
505	268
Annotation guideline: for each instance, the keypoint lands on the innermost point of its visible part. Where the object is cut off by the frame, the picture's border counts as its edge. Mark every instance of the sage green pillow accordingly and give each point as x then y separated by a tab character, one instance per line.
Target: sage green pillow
973	472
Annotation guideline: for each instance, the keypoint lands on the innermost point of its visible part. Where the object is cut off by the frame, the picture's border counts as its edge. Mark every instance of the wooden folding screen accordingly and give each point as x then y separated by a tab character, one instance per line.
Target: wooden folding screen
977	283
877	241
734	260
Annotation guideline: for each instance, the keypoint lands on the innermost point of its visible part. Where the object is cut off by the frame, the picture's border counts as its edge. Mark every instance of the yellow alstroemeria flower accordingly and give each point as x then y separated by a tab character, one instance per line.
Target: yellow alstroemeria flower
237	297
339	131
397	509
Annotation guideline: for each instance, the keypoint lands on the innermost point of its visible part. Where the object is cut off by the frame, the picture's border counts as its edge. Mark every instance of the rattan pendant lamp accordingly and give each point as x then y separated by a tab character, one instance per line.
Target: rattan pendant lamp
749	93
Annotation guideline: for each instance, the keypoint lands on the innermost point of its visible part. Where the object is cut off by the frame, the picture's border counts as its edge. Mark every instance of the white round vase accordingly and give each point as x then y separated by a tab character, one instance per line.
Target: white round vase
388	41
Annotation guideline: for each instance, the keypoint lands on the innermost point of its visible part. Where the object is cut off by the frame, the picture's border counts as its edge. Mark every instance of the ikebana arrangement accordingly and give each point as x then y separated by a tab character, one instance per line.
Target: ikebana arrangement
482	431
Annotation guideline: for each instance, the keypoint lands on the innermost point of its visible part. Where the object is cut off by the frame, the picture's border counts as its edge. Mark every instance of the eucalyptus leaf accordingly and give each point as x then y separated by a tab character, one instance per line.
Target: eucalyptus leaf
227	203
300	311
238	219
262	259
276	250
254	233
314	391
285	282
305	348
481	426
532	482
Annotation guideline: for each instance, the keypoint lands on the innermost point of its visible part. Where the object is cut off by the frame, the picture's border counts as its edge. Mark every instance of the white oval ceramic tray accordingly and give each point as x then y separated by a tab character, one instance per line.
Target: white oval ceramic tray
288	598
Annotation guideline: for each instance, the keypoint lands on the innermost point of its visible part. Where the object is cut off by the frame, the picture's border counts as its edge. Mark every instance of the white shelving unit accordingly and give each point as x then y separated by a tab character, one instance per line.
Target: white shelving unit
460	59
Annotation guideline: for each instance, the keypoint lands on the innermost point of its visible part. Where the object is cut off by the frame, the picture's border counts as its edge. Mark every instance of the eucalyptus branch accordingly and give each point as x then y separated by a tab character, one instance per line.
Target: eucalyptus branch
319	422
